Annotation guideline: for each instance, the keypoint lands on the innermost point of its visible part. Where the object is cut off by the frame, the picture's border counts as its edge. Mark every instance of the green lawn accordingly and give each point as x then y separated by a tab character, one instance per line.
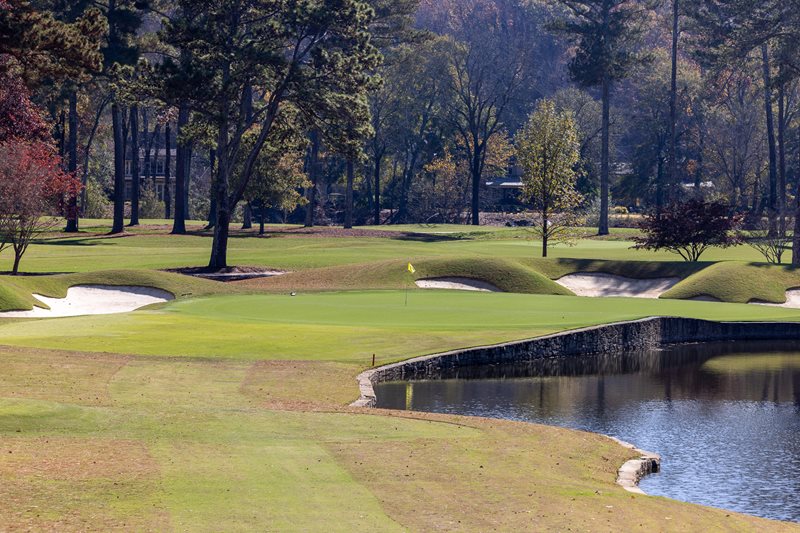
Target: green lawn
226	409
247	427
90	253
350	327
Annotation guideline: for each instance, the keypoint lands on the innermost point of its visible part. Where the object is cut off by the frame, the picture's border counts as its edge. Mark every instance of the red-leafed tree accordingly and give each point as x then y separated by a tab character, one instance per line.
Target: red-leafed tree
19	117
690	228
33	188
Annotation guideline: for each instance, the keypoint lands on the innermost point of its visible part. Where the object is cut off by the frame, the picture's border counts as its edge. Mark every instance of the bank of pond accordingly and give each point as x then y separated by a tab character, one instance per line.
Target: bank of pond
725	417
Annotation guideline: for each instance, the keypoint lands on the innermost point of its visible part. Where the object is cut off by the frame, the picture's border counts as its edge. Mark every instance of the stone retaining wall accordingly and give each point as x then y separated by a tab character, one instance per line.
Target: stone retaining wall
613	338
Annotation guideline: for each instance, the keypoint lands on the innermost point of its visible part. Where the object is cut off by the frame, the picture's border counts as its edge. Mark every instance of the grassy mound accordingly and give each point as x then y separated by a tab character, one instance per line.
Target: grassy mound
507	275
739	283
16	292
557	268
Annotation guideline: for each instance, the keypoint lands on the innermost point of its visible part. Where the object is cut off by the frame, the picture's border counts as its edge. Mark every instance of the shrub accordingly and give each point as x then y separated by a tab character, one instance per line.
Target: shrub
97	203
689	229
149	204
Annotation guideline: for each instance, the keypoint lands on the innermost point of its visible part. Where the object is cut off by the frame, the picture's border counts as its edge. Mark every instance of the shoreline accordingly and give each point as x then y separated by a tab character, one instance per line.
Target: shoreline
648	333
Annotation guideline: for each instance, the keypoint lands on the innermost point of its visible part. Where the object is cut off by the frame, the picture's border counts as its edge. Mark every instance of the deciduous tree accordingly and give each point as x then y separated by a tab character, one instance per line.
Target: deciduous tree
242	62
548	153
690	228
33	188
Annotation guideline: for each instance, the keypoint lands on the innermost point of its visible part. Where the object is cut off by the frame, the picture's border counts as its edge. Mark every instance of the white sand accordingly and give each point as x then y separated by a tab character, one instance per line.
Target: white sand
605	285
459	284
94	300
792	300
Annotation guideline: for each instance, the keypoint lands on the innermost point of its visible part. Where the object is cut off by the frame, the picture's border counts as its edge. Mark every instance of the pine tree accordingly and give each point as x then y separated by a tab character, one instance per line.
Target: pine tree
607	34
253	59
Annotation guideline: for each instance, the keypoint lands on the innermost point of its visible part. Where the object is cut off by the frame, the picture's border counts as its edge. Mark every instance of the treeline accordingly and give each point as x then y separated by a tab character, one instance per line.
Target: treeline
392	111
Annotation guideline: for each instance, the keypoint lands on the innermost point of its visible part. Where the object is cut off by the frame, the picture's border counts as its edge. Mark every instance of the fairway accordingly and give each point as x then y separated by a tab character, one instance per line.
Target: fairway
259	392
300	252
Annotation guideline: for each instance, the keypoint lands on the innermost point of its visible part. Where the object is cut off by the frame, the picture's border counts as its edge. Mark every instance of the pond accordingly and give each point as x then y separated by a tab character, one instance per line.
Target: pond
724	417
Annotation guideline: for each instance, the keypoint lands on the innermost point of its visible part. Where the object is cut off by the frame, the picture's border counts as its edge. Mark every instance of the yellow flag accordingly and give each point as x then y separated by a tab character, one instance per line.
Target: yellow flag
411	268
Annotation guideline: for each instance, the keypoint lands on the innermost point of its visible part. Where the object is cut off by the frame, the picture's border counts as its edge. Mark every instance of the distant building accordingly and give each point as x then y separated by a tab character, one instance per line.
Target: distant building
503	193
158	159
703	185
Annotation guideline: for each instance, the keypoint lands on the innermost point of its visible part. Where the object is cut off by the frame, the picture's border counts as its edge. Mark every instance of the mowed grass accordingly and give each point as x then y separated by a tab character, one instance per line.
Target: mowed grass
106	442
349	327
229	412
159	251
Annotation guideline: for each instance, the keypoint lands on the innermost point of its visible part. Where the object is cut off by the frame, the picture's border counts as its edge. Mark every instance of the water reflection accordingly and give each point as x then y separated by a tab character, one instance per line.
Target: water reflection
725	417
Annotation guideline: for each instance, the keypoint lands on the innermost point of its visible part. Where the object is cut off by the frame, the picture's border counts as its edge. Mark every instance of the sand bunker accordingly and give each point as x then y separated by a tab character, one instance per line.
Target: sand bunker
605	285
792	300
94	300
459	284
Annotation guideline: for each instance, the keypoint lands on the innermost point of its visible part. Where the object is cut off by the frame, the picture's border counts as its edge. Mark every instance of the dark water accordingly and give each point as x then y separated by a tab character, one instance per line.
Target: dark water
724	417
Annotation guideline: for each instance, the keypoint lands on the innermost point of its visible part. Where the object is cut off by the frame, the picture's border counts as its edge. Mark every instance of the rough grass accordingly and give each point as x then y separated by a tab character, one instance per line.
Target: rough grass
188	445
507	275
16	292
739	282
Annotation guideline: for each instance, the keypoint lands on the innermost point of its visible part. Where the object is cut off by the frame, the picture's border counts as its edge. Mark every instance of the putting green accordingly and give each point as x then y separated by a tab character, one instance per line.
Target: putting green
350	327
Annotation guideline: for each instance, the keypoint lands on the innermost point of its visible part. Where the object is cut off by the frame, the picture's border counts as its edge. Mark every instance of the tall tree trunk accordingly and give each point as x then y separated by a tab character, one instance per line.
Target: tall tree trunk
212	212
119	170
313	167
782	156
62	134
701	141
179	222
261	222
247	216
72	165
773	159
136	174
377	181
187	181
148	148
247	100
348	195
544	232
87	152
796	235
477	155
605	167
153	158
219	246
167	170
673	102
